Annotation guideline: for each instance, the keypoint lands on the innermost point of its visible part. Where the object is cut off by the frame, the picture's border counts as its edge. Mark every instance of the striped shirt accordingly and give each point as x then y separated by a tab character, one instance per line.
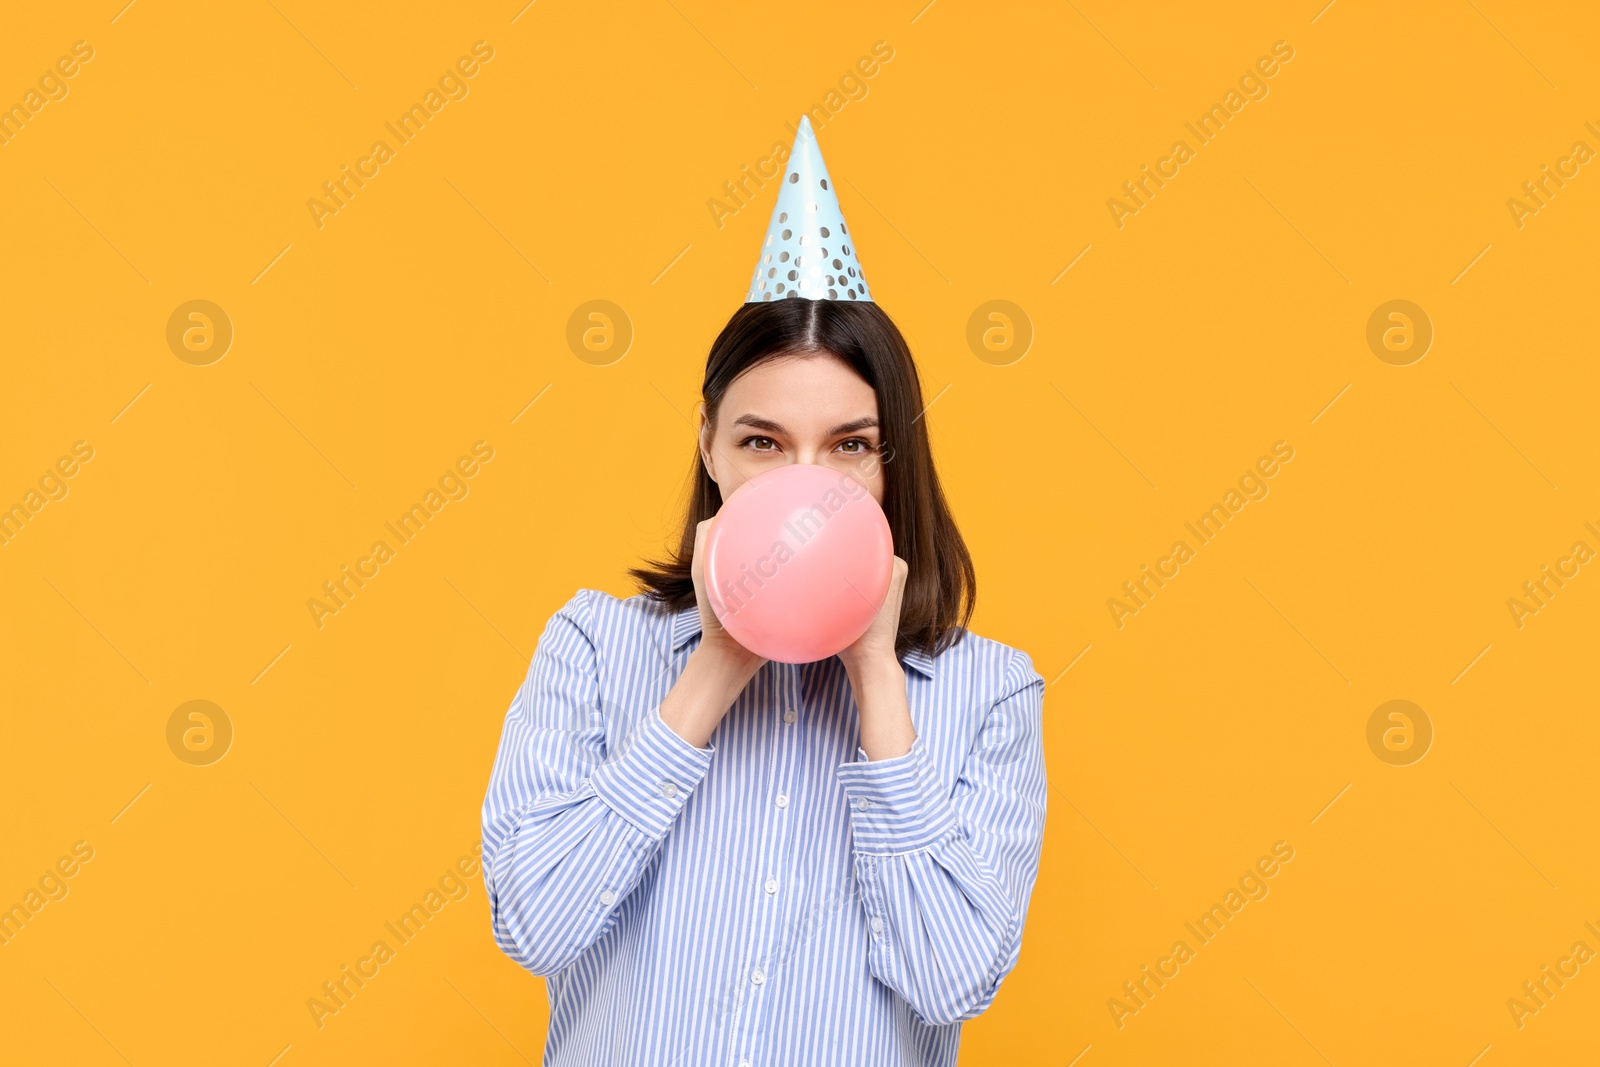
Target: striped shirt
775	898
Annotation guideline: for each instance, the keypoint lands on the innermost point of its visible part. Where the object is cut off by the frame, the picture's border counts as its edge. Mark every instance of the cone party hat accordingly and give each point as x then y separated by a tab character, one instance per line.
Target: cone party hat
808	251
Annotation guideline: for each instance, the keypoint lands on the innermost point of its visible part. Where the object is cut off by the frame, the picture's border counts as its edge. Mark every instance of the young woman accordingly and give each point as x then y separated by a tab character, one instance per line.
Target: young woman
715	859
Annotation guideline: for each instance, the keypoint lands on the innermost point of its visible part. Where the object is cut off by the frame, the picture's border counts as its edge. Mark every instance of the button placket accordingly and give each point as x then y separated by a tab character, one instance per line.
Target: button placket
786	757
776	835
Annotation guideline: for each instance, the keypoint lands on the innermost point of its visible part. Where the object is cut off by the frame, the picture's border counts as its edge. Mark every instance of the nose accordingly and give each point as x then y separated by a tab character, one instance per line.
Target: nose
808	454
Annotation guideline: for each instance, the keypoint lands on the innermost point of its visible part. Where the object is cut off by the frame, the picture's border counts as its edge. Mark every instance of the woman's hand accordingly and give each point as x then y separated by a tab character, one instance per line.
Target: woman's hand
712	633
718	670
877	680
876	647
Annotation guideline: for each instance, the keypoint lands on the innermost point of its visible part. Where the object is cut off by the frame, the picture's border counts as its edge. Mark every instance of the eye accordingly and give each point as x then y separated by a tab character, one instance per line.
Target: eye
855	446
759	443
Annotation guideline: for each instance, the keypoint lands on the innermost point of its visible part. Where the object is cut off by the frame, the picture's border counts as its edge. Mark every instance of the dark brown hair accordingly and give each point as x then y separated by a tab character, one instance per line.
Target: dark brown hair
941	586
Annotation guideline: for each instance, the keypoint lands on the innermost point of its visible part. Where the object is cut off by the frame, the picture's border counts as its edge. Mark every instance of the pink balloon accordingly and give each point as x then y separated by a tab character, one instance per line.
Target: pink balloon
798	562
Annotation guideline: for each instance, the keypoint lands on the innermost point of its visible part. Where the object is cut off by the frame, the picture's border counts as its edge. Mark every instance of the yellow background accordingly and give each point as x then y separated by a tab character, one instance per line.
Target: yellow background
1225	316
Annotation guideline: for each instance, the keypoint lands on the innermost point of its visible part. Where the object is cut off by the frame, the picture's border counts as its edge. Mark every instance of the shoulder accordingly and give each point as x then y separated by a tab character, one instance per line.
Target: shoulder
984	663
981	699
604	617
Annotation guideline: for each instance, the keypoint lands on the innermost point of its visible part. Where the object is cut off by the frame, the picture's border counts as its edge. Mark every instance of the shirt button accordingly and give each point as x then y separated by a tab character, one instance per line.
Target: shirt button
790	715
669	789
772	885
607	897
783	800
758	976
862	804
877	924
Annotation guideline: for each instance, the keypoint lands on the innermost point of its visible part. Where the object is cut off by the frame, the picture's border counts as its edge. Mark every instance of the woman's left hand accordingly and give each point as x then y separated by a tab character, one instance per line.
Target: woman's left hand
879	682
876	646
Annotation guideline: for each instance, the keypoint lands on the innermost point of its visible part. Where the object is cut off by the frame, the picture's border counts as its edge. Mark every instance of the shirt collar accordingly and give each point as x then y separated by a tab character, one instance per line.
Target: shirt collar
686	626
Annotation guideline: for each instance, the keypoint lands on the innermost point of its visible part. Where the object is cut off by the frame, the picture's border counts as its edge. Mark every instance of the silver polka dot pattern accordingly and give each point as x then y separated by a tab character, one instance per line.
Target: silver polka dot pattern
805	216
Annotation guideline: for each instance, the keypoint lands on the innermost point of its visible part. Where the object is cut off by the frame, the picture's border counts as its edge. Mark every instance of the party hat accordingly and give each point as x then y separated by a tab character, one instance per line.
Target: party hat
808	251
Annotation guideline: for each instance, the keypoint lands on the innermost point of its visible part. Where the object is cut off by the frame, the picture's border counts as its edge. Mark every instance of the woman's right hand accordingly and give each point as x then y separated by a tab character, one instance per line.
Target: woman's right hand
718	669
712	633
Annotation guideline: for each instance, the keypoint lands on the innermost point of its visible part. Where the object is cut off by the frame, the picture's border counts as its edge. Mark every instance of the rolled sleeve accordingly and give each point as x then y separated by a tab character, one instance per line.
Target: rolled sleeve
896	805
649	779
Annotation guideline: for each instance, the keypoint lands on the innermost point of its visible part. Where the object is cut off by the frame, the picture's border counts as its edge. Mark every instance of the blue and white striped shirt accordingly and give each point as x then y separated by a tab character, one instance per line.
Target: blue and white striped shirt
775	898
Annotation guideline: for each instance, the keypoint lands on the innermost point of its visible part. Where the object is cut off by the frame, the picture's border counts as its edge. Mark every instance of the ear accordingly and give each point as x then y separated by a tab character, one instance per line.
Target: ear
705	444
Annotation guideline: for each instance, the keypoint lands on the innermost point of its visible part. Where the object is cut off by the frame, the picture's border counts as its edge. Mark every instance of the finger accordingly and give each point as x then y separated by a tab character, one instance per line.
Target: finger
699	546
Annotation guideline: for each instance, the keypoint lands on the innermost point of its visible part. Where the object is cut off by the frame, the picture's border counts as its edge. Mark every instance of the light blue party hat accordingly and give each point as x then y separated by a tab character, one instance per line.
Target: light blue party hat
808	251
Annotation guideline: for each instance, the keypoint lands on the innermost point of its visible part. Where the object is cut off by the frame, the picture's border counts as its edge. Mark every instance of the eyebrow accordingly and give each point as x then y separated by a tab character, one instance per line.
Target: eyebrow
768	425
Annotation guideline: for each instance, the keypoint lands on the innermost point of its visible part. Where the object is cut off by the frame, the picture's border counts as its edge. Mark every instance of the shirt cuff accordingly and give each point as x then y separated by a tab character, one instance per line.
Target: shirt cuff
896	804
649	779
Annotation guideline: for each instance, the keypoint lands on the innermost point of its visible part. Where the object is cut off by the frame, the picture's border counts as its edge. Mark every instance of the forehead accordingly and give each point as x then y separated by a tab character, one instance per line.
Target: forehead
809	383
